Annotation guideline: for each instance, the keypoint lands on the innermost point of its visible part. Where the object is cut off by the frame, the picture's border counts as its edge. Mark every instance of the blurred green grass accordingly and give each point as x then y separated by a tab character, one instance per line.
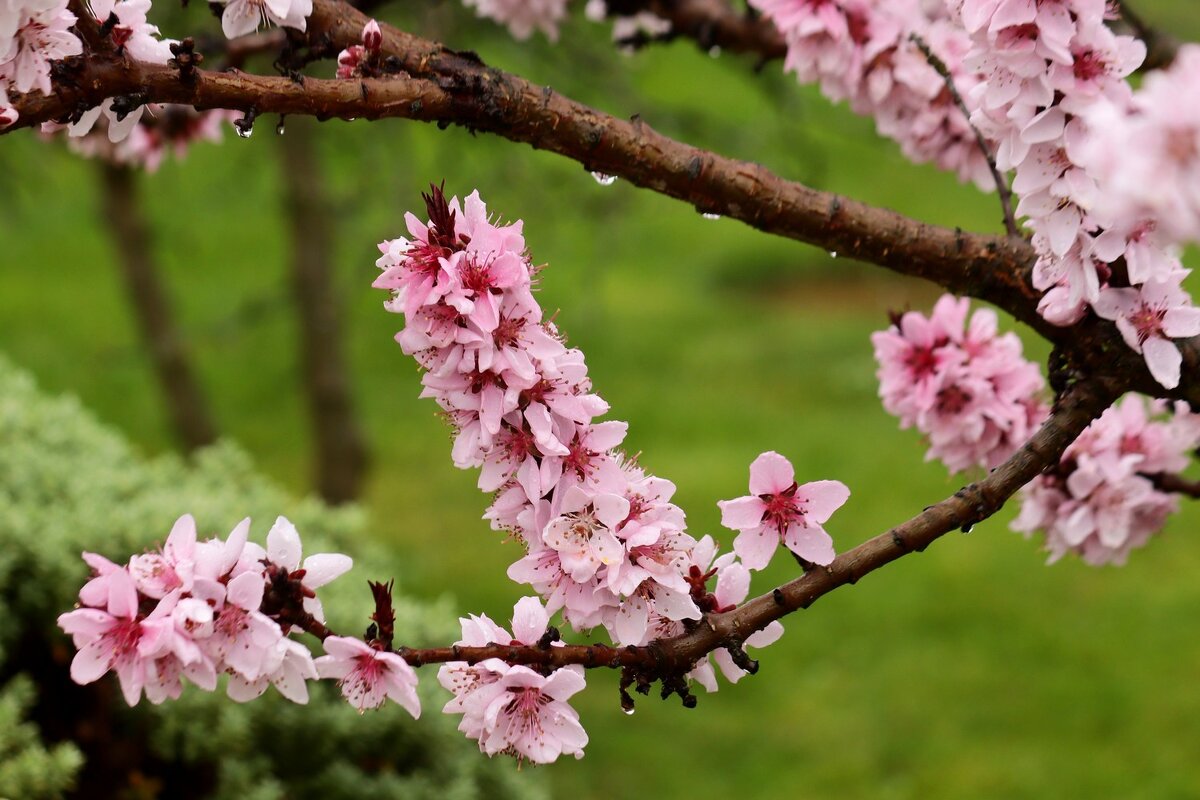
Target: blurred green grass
969	671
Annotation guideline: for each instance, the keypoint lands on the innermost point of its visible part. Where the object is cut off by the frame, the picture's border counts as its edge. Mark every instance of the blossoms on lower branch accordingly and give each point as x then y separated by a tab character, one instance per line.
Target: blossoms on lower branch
369	675
515	709
1102	501
197	609
780	510
966	387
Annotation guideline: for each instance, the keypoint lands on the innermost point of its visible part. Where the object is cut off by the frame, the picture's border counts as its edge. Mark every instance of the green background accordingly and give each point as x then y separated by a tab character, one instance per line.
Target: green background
972	670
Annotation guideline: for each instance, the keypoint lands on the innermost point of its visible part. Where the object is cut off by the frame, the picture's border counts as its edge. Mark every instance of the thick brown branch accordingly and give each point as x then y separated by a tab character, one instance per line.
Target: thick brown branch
447	87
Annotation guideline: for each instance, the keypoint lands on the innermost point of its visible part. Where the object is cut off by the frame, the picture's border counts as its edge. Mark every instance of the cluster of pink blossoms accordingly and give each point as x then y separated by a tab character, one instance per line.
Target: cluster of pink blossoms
164	130
1147	152
1102	501
33	33
196	610
1047	68
603	542
510	708
967	388
862	51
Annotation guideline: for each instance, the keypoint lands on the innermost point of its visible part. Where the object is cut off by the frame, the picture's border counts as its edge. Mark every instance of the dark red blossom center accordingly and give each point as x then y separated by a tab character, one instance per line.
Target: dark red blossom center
1148	321
508	331
921	362
782	509
952	400
1089	65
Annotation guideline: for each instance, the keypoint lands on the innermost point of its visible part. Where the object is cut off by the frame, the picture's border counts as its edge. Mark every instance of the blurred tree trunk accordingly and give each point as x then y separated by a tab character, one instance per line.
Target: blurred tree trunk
341	452
191	421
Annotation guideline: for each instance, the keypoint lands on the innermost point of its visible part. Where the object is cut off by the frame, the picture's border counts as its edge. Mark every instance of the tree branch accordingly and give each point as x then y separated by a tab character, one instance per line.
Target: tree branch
671	658
1175	484
440	85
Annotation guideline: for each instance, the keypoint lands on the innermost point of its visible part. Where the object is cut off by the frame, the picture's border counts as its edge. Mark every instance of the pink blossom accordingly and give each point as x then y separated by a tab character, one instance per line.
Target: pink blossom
733	585
1147	151
284	550
514	709
1101	503
1149	317
368	675
778	509
117	638
964	386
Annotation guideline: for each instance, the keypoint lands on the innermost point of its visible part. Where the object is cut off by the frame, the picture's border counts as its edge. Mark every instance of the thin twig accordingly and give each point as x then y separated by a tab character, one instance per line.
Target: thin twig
1175	484
1010	220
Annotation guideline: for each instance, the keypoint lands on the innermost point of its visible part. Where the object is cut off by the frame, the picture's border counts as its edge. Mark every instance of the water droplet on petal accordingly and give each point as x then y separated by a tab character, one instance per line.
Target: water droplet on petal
603	179
708	215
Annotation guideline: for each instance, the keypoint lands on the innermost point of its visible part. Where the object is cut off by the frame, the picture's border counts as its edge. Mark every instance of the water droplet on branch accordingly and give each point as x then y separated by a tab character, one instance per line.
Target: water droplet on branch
603	179
710	215
833	253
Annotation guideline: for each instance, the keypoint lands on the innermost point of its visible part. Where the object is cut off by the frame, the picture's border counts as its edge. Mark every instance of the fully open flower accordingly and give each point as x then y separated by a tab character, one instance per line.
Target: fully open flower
368	676
778	509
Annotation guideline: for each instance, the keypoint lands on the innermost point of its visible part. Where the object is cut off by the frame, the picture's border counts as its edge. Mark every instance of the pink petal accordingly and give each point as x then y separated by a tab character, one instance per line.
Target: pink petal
810	543
529	620
822	498
91	662
322	568
755	547
283	544
771	473
742	514
1163	359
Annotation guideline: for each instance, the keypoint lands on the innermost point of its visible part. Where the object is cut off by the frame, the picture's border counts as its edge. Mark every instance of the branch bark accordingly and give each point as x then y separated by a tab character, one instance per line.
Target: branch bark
341	457
187	409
